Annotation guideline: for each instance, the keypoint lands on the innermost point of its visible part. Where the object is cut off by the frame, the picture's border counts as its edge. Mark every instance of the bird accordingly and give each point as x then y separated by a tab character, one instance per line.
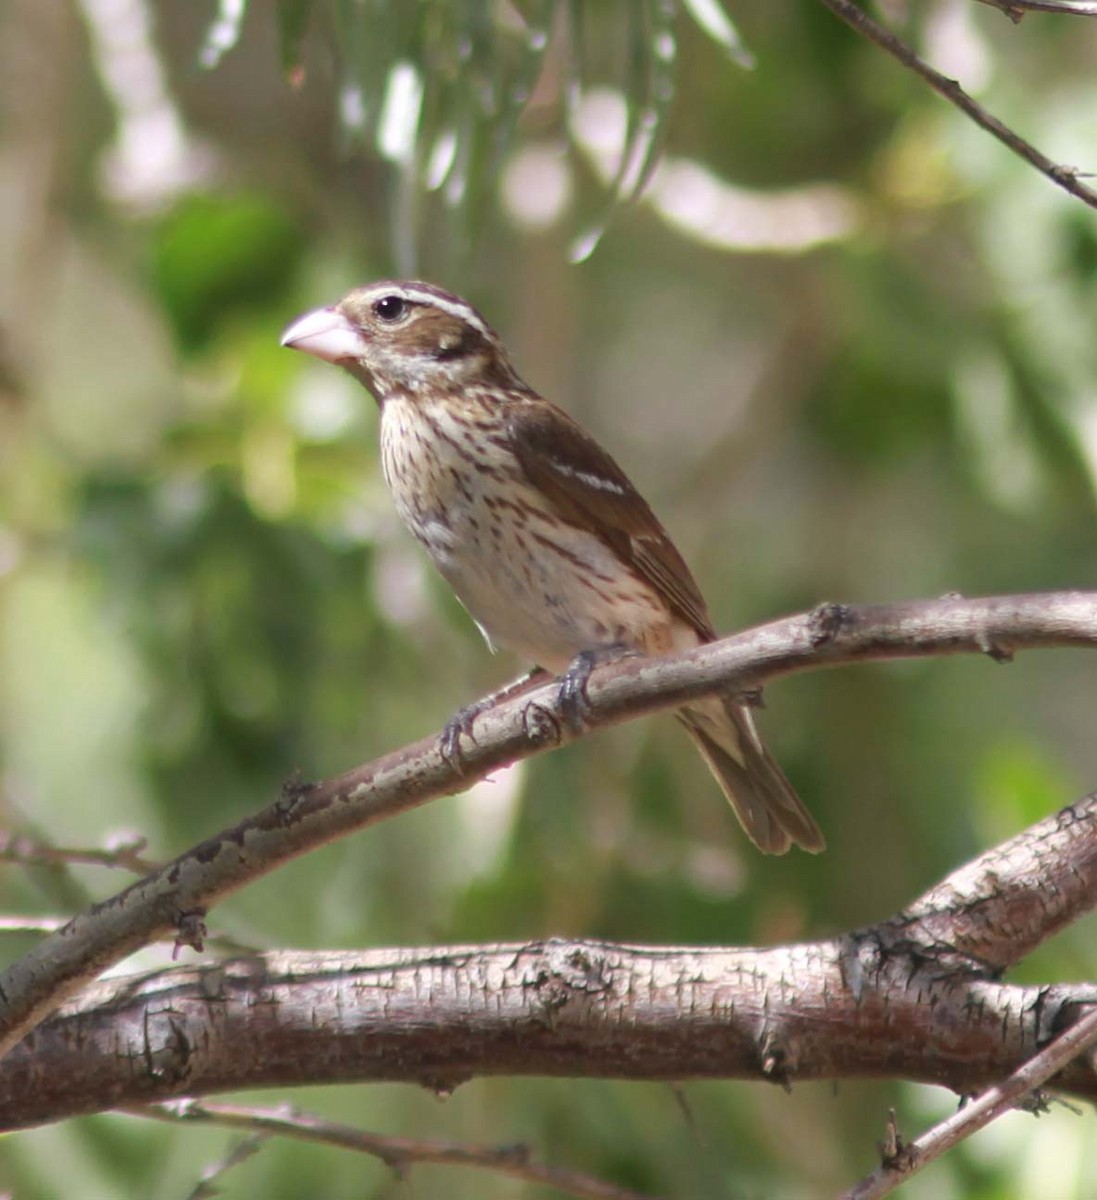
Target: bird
541	535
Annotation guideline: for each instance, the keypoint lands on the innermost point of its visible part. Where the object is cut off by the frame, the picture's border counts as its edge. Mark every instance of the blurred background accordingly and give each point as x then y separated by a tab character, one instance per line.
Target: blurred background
843	343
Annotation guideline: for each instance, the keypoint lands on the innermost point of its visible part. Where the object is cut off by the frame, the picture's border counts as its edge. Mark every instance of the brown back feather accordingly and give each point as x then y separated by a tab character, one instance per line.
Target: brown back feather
591	491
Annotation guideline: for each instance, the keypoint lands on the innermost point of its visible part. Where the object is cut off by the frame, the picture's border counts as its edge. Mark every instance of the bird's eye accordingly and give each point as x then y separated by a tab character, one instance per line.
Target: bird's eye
390	308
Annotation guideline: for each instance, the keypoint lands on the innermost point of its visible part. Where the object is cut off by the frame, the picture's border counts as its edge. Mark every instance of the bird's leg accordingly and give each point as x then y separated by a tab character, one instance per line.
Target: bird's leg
460	724
572	697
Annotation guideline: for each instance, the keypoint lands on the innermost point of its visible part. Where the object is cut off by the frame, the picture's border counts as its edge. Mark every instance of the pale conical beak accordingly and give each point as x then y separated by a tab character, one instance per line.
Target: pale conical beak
325	333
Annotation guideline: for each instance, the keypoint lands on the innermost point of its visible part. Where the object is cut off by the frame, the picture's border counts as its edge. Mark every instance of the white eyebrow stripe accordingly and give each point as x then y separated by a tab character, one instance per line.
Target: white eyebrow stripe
453	306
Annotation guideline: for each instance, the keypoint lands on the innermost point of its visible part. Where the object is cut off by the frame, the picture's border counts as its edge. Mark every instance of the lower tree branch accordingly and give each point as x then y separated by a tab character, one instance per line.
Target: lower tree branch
902	999
176	896
438	1017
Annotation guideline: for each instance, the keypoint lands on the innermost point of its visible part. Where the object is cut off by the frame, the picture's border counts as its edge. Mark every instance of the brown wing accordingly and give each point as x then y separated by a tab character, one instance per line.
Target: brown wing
590	490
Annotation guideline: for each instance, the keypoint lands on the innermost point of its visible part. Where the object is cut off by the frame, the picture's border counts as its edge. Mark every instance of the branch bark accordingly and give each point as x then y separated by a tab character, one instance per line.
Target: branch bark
915	997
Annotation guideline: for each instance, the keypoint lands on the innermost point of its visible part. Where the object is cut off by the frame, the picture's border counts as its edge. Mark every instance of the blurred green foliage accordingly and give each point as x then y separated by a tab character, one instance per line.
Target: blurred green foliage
843	343
217	257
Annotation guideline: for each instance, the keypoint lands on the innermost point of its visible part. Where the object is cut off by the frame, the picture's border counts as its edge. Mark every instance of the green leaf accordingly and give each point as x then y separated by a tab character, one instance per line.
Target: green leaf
710	17
650	76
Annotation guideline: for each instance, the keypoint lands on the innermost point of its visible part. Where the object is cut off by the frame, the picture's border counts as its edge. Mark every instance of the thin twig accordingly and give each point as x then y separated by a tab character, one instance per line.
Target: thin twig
27	924
308	816
1066	177
207	1187
979	1112
125	853
399	1153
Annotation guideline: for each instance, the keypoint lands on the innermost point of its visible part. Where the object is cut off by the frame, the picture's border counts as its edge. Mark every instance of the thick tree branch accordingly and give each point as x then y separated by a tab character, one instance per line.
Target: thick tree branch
904	998
178	894
1066	177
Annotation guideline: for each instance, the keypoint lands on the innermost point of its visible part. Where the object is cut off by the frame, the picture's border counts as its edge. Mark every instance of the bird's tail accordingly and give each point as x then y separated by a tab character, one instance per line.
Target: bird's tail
769	810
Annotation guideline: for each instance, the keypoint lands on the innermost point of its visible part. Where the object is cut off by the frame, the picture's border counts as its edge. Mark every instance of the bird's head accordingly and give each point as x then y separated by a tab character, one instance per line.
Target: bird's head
407	338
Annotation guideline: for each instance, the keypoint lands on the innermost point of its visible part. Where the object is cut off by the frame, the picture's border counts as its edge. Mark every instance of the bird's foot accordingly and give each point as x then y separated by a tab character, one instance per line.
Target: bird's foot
461	723
572	697
458	726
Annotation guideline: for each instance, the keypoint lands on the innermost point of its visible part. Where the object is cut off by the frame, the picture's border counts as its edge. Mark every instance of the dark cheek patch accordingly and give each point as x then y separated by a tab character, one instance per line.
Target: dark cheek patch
452	346
442	337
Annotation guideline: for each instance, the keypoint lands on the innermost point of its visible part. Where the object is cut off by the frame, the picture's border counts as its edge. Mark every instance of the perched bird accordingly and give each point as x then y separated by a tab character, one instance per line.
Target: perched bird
539	532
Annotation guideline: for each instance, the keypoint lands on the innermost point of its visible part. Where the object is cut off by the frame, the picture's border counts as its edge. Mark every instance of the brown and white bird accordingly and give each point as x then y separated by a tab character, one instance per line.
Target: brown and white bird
539	532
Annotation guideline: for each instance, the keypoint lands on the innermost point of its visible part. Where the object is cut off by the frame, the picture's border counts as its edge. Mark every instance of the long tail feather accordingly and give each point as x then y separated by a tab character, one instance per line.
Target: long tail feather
768	808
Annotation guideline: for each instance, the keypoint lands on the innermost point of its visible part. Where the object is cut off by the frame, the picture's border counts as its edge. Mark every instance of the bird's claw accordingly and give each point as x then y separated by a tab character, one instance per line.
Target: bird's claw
458	726
572	698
